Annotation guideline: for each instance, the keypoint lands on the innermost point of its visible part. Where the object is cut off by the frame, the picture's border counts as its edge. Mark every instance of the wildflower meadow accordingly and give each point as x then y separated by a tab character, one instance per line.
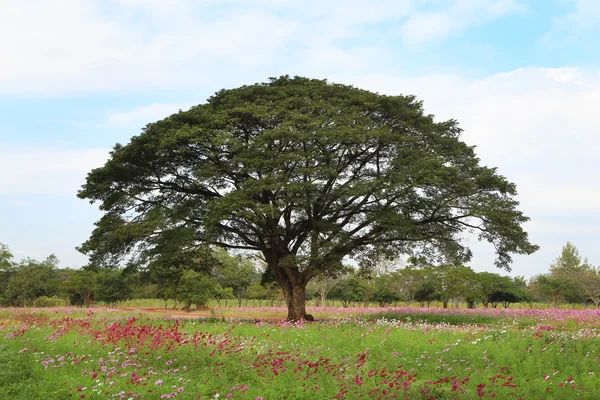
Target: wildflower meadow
393	353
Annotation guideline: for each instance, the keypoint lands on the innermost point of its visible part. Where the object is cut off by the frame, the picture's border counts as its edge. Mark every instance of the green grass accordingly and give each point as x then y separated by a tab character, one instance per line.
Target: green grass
421	356
451	319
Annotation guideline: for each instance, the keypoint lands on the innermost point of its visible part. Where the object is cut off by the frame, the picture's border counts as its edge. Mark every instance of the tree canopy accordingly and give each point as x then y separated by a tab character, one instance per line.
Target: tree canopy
569	262
306	173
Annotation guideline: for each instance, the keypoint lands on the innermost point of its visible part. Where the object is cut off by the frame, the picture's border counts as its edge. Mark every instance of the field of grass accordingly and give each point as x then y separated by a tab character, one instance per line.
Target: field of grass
252	303
65	353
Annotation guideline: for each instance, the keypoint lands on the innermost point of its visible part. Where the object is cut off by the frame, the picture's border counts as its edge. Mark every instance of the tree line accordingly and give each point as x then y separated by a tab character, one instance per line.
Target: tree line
230	279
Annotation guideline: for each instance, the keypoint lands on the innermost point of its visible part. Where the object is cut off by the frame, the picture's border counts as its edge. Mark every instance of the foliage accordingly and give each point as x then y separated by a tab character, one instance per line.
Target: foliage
306	173
237	273
569	262
81	284
196	288
111	287
589	282
349	289
407	283
32	279
223	294
6	270
322	285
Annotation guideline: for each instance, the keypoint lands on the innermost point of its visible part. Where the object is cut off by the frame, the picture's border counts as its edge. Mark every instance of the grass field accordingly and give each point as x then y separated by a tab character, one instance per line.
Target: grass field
65	353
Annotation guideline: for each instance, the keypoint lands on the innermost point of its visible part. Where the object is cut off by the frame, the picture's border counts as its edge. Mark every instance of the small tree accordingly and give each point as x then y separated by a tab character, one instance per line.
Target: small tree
589	282
32	279
569	262
273	291
6	270
552	288
111	287
256	291
224	294
428	292
349	290
322	285
82	285
237	273
196	288
407	283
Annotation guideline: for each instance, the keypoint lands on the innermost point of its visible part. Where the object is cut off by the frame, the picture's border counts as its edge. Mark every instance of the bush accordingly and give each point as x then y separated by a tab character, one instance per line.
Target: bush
45	301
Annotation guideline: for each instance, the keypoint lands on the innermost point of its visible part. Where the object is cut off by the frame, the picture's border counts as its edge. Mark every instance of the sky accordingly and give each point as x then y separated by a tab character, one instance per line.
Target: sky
522	77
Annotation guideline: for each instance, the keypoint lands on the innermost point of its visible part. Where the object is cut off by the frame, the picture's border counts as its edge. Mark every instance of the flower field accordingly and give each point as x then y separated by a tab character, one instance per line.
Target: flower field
71	353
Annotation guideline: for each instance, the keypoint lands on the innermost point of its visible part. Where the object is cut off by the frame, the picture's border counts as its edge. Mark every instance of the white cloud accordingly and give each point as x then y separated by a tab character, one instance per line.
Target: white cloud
46	170
423	27
427	27
67	46
584	17
23	203
140	116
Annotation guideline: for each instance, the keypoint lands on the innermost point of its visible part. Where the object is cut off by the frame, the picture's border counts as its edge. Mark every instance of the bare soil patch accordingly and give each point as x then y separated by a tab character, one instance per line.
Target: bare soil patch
197	314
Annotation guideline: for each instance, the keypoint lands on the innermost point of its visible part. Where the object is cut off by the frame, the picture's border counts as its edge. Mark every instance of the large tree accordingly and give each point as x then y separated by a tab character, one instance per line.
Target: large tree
306	173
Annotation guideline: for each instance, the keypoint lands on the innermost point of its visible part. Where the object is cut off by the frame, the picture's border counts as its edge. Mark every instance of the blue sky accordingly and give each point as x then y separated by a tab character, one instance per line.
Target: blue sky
522	77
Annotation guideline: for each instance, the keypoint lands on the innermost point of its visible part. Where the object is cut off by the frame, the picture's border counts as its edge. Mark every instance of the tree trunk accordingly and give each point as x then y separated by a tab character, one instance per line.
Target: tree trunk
297	303
292	281
293	294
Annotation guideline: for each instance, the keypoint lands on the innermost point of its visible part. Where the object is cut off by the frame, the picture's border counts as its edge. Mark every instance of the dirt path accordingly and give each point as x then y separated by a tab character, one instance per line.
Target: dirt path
196	314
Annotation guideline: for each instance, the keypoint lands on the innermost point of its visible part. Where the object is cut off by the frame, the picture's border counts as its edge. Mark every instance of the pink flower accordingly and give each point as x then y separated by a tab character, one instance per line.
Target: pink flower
180	389
159	382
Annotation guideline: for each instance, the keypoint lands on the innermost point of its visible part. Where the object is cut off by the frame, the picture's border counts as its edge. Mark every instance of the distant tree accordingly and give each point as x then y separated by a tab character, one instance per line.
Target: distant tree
506	291
6	270
453	282
407	283
551	288
168	284
570	268
386	293
569	262
306	173
237	273
256	291
273	291
496	289
196	288
589	282
224	294
111	287
6	256
32	279
81	284
349	290
369	288
322	285
428	292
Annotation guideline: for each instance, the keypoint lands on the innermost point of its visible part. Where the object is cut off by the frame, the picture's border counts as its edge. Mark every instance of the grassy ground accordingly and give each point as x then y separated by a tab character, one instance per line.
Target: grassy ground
422	354
157	303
